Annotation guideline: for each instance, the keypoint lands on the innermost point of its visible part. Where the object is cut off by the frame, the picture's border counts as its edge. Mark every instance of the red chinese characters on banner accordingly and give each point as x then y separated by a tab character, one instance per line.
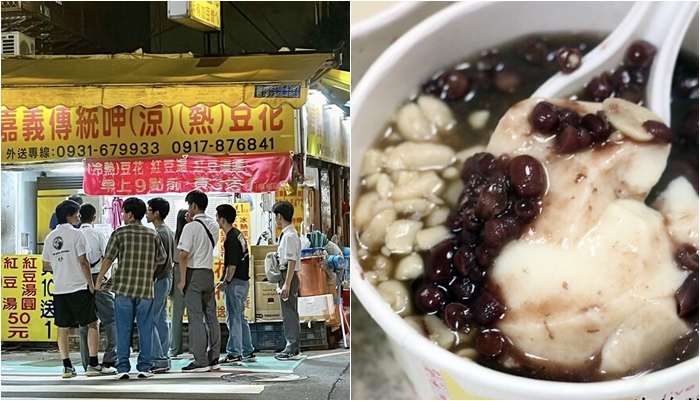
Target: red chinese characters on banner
250	174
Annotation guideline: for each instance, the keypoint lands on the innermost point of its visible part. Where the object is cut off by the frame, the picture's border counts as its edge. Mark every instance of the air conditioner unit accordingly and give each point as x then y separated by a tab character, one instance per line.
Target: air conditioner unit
16	43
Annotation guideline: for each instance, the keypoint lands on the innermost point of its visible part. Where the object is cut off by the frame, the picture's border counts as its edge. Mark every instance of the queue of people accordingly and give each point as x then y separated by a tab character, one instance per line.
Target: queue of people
152	266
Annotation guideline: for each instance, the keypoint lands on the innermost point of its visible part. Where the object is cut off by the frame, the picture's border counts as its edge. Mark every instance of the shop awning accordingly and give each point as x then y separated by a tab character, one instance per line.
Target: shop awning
150	80
337	82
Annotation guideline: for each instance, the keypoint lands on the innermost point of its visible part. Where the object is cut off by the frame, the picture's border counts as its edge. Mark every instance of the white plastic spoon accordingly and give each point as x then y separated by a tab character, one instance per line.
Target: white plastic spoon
661	23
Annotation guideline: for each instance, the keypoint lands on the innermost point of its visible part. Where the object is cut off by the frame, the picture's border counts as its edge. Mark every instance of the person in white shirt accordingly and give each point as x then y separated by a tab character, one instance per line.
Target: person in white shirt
104	300
289	252
197	245
64	254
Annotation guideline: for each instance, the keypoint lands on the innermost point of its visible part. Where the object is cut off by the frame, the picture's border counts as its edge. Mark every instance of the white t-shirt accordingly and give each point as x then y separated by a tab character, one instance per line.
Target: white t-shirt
289	247
62	247
194	239
97	243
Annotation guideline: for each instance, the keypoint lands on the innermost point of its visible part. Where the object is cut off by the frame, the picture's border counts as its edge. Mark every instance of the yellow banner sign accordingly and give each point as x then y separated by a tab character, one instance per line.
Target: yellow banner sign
296	199
41	134
206	12
27	300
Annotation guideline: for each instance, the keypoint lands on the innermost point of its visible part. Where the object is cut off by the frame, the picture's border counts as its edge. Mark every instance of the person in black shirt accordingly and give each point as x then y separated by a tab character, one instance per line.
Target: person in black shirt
234	283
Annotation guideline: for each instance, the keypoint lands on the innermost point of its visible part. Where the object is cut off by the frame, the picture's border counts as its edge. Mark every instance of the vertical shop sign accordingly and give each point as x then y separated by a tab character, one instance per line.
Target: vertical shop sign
296	199
27	300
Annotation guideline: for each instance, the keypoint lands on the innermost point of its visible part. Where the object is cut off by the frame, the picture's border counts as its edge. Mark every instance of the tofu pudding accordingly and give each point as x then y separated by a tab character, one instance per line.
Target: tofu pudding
549	238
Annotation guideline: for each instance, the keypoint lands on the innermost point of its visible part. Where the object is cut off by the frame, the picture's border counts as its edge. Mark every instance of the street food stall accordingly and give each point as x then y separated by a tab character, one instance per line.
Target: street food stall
112	126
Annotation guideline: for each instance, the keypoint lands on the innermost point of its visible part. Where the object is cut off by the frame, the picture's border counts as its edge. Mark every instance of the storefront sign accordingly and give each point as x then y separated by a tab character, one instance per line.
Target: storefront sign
201	15
328	134
249	174
27	300
41	134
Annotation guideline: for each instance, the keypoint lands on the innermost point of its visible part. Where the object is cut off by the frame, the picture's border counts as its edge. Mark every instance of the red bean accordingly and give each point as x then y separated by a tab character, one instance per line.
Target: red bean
640	54
599	88
568	116
686	345
525	210
544	117
486	308
456	85
490	343
569	59
457	317
687	295
462	289
464	260
660	131
439	266
631	93
568	140
687	257
534	51
471	222
485	163
527	176
492	201
430	298
485	255
621	78
598	125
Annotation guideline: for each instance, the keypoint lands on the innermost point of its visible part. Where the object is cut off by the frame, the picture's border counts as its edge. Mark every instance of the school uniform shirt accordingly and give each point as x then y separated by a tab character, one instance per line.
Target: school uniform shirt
194	239
289	247
97	243
62	248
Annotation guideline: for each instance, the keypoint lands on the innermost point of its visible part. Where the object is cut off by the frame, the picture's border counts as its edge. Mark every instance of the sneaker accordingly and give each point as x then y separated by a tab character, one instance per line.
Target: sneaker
288	356
162	369
69	372
194	368
214	365
123	376
250	358
144	375
99	370
231	360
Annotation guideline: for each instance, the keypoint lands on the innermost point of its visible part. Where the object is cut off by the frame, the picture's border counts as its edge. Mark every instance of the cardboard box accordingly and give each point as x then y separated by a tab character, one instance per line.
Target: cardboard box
267	301
319	307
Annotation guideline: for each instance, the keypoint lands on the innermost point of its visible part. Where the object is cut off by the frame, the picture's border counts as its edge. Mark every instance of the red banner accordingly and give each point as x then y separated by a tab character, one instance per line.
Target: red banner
248	174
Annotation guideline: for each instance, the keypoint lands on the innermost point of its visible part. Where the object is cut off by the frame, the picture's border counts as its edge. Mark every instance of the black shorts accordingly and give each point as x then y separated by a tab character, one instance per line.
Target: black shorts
76	307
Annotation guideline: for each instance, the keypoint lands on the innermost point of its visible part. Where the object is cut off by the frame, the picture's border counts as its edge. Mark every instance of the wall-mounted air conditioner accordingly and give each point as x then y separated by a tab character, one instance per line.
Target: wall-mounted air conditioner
16	43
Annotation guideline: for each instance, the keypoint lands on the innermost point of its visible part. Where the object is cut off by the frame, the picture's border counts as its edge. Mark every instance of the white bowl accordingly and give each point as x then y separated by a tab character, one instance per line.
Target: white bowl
377	24
445	38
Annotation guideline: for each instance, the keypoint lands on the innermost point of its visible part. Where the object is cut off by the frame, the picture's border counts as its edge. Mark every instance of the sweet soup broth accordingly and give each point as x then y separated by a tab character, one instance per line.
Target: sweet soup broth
458	311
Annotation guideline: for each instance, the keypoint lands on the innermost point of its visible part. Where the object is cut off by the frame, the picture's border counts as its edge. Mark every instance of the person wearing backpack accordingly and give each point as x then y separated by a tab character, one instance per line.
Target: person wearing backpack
158	210
289	253
197	244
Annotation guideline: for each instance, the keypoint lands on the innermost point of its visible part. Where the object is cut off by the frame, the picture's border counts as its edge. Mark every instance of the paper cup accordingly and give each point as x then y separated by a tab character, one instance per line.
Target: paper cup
377	24
441	40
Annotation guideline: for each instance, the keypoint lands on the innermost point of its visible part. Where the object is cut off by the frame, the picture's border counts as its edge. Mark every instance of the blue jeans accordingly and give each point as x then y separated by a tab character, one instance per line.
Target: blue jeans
161	328
125	309
239	342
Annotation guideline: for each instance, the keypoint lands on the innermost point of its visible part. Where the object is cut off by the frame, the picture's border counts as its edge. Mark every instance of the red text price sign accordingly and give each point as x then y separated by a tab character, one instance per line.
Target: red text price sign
27	300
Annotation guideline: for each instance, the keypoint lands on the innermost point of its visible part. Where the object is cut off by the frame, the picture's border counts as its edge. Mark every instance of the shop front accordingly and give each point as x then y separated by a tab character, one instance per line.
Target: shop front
111	127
